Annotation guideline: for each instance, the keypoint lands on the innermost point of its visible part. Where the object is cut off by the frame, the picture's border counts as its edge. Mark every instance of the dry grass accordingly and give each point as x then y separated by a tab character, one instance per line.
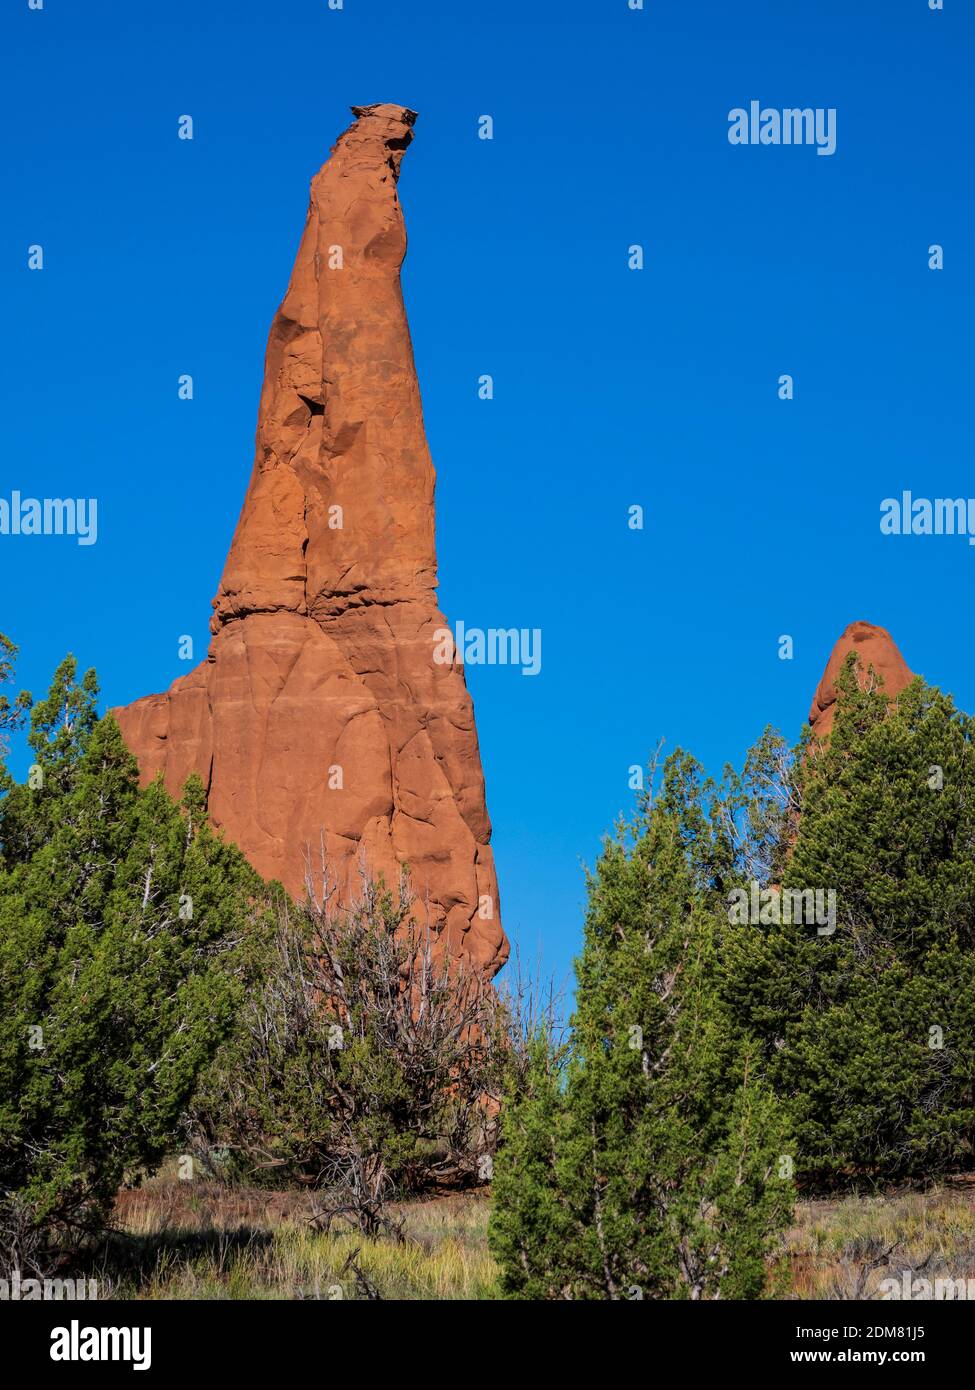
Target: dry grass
833	1245
203	1240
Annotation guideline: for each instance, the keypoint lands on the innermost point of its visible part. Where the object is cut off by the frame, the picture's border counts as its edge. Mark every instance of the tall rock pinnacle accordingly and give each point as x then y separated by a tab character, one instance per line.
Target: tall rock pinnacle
874	647
320	713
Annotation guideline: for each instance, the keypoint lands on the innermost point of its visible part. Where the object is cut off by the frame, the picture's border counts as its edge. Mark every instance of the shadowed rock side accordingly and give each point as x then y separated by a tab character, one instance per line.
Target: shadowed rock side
321	663
874	647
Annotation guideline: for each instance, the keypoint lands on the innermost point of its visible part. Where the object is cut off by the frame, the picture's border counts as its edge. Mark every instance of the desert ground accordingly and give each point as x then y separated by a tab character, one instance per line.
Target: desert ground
208	1240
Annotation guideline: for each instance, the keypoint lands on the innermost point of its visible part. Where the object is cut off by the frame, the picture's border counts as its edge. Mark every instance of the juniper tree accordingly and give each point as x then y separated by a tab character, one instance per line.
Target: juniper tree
870	1030
362	1065
119	912
60	727
654	1161
12	712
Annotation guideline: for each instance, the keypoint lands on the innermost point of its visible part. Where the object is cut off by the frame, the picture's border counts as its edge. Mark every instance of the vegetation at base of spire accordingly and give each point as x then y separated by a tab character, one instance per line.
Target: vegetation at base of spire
710	1059
871	1030
157	997
121	971
648	1157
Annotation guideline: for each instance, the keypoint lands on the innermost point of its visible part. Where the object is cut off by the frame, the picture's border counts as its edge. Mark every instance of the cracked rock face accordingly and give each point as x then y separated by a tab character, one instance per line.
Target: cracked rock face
874	647
319	713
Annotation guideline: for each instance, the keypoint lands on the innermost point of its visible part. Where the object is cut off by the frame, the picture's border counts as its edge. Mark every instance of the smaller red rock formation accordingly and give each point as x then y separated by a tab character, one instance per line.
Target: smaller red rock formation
874	647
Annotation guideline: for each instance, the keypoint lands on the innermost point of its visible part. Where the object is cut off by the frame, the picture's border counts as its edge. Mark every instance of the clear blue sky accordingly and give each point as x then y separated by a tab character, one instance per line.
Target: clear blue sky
612	387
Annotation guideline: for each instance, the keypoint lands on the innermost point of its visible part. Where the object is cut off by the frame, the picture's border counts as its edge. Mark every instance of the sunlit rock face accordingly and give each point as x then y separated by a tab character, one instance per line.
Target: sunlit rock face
874	647
320	719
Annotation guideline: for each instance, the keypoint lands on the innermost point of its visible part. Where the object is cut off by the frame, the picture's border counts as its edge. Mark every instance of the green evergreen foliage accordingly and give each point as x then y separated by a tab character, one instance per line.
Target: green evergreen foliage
12	712
870	1030
154	992
650	1160
120	913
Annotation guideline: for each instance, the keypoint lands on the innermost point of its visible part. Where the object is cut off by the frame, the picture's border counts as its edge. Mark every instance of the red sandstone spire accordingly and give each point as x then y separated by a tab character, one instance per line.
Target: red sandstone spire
322	650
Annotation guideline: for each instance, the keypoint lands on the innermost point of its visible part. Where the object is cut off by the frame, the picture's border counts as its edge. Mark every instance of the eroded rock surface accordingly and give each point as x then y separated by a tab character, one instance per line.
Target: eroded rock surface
319	712
874	647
